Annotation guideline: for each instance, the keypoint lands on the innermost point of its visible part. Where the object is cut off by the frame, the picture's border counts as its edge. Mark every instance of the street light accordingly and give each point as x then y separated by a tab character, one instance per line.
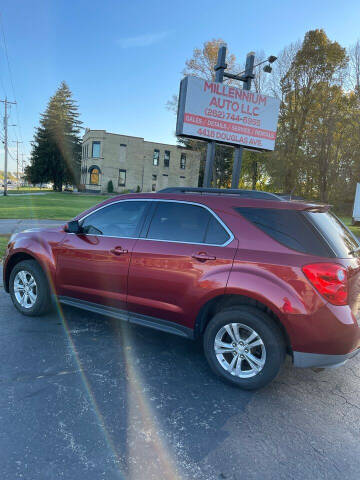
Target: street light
268	68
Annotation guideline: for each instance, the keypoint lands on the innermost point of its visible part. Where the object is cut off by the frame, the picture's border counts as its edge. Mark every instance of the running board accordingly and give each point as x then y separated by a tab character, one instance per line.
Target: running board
135	318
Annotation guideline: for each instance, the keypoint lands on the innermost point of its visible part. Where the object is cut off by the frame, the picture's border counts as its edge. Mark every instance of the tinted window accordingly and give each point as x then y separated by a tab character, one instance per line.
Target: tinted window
340	238
216	233
119	220
179	222
290	228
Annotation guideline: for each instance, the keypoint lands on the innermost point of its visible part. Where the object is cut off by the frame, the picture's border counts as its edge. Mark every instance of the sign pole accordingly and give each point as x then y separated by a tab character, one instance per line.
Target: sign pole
250	58
210	152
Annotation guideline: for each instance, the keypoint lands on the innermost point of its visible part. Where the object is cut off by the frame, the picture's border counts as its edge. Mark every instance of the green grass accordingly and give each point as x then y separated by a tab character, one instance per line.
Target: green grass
54	206
354	229
3	242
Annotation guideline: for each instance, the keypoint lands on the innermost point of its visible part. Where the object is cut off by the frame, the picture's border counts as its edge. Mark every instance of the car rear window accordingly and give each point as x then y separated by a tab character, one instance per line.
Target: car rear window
290	228
342	241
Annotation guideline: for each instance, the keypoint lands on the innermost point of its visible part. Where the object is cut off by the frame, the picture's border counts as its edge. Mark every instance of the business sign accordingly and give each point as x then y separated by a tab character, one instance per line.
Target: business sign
216	111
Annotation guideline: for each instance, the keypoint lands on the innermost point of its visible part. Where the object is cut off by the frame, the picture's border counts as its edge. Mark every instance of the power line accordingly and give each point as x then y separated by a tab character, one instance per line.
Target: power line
11	79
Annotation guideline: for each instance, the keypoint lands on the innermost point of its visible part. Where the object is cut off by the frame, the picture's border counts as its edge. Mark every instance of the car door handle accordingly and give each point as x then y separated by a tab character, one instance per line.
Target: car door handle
203	257
118	251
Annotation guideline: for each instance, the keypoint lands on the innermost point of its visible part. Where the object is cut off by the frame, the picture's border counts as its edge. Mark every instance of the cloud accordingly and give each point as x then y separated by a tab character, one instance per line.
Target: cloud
142	40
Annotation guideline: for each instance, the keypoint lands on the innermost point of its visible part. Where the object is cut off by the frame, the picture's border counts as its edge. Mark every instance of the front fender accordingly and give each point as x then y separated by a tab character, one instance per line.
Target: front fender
34	245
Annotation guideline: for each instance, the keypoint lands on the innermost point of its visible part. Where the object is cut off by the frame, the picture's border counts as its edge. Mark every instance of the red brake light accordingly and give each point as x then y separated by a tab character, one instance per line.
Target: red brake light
330	280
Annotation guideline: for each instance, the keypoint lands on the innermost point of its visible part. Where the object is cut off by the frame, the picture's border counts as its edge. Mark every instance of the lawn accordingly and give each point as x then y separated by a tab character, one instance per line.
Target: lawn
3	242
54	206
354	229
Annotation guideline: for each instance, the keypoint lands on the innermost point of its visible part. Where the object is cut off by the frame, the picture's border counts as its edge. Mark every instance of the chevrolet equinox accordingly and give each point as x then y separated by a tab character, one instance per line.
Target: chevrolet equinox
256	276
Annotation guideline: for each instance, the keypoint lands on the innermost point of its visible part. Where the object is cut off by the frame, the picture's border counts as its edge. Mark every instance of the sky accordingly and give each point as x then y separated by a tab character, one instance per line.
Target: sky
123	59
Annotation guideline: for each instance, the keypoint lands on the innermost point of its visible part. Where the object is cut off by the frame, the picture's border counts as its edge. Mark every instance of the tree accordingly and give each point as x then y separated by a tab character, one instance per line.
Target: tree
110	187
317	66
56	150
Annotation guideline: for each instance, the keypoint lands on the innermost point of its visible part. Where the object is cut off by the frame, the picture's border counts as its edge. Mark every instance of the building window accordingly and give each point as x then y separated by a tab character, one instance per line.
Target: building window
183	161
122	178
94	175
166	158
95	149
153	185
156	157
122	152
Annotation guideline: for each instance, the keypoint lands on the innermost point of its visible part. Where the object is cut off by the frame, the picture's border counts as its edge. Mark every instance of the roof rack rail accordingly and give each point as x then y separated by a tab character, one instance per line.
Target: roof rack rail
225	191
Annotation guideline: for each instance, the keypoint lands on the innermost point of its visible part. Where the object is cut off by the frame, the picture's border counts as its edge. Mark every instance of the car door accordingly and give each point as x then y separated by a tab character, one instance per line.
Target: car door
184	259
93	266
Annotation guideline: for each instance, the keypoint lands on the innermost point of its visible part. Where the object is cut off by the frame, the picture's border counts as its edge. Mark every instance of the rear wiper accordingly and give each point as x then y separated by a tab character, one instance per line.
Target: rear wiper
354	250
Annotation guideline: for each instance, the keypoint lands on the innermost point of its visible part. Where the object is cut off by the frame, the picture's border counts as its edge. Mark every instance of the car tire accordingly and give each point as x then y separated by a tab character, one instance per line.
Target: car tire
27	279
251	365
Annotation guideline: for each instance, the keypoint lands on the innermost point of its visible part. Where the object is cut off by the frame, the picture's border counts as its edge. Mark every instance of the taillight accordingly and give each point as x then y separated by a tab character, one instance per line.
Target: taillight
330	280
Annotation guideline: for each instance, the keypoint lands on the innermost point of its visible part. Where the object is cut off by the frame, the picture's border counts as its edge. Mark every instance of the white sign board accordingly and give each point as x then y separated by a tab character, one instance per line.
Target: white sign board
216	111
356	210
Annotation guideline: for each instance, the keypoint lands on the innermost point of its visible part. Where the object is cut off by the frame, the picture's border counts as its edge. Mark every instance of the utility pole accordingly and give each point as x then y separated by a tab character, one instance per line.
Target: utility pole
17	162
6	103
22	164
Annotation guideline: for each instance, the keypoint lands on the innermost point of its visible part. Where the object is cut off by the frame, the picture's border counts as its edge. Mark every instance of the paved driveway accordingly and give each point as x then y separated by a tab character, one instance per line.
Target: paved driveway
86	397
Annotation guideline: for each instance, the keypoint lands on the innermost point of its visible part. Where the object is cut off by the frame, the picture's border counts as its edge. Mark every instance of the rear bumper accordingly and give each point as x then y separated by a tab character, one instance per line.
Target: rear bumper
306	360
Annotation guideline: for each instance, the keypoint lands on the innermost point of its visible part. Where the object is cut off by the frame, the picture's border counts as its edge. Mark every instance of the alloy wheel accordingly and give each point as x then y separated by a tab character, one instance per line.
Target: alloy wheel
25	289
240	350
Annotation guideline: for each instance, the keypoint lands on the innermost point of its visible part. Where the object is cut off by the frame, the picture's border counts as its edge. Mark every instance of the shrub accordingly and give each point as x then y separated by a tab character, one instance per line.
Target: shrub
110	186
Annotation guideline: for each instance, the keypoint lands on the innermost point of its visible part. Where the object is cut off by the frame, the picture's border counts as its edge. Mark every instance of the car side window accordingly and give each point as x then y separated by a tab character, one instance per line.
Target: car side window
122	219
216	233
180	222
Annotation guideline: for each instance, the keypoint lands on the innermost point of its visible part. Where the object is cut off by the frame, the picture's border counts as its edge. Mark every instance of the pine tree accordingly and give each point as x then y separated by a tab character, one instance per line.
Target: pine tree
56	153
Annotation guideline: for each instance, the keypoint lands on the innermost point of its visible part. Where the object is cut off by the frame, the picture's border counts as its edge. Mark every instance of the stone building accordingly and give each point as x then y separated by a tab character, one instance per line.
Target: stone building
132	163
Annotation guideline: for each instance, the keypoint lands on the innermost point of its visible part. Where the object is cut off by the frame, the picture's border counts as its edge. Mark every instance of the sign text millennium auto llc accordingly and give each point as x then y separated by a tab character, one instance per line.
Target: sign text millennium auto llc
215	111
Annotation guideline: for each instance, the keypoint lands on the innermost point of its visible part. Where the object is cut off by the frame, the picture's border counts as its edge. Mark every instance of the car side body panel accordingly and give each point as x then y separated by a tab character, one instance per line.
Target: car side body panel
166	282
88	270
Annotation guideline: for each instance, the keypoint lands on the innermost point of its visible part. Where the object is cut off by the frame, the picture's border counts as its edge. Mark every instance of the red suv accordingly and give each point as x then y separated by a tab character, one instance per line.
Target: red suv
254	275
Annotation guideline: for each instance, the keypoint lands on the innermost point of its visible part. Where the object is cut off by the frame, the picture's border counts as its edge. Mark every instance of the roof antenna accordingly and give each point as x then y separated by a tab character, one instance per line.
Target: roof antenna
291	193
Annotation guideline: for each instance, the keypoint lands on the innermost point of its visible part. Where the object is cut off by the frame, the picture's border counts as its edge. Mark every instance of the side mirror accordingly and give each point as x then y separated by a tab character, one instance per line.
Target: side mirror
73	227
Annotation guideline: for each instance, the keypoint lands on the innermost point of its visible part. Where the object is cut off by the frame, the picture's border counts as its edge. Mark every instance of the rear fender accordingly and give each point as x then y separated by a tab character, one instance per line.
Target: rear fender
283	289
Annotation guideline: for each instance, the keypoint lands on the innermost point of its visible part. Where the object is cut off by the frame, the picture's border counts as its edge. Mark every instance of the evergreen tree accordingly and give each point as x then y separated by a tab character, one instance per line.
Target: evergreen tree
56	152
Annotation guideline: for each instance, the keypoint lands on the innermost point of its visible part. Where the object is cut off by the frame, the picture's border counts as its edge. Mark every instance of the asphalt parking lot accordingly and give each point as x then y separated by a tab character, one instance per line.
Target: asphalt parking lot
87	397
